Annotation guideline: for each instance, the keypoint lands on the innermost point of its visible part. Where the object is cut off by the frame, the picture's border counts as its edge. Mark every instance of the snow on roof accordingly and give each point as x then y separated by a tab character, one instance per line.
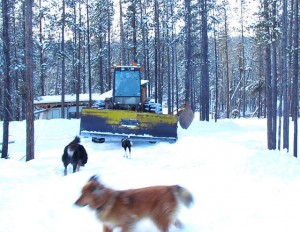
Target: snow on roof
72	98
84	97
144	82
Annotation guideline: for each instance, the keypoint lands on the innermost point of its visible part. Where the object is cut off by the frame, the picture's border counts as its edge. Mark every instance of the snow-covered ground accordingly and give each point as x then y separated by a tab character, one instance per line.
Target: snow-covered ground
238	185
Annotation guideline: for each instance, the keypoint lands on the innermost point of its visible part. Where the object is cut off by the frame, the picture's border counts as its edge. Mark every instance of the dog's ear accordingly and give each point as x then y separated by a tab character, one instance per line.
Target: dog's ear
94	178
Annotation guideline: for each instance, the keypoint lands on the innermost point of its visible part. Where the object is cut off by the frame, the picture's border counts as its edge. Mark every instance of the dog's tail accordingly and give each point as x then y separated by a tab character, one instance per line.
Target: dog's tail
184	196
73	146
76	140
83	156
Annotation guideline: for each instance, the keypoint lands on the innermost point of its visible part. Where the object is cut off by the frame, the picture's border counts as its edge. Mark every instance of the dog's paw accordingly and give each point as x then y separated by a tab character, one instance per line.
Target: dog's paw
178	224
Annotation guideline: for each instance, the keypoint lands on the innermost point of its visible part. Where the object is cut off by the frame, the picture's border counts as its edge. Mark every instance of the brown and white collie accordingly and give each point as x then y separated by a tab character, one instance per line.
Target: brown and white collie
124	208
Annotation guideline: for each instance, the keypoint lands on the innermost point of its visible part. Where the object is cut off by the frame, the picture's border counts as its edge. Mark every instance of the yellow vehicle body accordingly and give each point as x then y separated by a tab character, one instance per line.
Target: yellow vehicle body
113	125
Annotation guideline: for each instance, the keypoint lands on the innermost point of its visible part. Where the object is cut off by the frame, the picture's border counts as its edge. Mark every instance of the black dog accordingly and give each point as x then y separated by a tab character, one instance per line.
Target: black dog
126	143
75	154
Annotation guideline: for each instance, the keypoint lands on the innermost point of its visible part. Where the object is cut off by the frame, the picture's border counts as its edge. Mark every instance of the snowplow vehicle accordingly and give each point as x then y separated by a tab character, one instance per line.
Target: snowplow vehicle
128	113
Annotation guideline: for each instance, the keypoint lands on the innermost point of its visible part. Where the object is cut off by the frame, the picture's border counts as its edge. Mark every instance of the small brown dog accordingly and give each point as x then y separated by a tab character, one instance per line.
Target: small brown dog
125	208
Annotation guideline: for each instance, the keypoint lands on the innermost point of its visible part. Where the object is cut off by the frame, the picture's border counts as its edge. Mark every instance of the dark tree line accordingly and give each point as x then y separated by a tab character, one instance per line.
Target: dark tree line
280	41
189	50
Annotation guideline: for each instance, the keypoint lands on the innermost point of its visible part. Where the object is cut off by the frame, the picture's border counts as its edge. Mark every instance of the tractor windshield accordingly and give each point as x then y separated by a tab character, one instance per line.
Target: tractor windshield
127	83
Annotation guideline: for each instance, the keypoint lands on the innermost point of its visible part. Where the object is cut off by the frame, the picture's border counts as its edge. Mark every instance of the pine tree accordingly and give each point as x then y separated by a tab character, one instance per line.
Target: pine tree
29	80
7	80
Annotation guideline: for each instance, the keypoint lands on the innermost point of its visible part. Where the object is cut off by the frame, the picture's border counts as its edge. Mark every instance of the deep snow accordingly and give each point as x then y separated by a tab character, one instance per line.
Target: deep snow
238	185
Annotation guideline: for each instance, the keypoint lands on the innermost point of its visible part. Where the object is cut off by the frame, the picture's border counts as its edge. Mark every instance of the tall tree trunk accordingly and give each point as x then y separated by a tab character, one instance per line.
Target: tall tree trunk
134	29
176	80
157	52
29	80
173	67
204	99
79	62
168	60
41	50
83	62
243	59
217	76
89	54
285	79
23	71
147	69
63	64
109	49
17	109
268	76
101	68
290	57
144	35
227	67
7	85
122	36
296	76
274	73
188	50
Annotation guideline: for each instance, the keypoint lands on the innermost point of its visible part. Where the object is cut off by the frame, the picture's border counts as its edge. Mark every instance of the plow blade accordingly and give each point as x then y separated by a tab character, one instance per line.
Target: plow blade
186	116
114	125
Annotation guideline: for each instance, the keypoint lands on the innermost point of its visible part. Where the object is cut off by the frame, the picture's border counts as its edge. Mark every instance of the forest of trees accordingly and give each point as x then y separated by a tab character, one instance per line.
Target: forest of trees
189	49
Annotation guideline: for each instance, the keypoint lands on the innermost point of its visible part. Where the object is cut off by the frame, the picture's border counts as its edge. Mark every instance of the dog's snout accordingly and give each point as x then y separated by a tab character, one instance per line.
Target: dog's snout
79	202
